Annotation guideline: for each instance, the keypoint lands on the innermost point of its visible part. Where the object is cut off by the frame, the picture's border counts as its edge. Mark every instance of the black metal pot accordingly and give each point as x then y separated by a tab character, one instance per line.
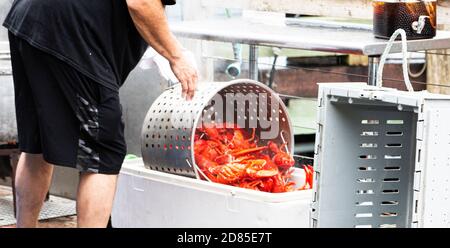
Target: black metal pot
416	17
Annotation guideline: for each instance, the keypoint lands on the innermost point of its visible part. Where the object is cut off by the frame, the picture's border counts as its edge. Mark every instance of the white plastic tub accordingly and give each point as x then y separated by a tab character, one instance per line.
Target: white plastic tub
147	198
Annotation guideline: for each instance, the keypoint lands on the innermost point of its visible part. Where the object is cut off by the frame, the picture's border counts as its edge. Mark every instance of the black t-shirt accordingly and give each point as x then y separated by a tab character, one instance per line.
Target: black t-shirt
96	37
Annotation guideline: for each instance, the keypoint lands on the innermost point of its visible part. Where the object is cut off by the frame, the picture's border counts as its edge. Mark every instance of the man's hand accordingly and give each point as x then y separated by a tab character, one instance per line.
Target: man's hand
187	75
151	22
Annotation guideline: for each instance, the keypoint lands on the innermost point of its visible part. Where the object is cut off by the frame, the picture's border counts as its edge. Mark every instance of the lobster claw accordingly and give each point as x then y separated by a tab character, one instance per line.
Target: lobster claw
283	160
224	159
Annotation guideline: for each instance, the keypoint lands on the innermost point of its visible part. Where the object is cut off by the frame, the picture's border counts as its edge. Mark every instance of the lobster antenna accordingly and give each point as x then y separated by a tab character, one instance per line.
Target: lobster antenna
253	134
284	142
197	170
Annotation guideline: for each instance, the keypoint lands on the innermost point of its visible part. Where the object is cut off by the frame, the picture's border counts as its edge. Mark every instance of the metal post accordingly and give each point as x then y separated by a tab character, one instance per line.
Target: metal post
253	62
374	62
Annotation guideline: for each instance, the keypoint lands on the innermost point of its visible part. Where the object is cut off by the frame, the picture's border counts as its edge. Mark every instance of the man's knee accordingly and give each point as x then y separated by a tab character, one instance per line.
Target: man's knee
35	162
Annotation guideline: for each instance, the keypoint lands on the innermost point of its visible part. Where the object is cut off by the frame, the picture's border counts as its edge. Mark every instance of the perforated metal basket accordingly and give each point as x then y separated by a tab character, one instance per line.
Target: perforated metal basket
170	125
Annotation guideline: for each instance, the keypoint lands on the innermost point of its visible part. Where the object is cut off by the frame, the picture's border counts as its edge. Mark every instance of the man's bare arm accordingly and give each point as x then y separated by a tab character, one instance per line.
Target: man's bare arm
150	20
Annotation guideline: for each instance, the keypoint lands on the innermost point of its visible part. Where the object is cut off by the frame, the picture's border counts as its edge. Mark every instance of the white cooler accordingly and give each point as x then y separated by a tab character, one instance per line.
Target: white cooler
147	198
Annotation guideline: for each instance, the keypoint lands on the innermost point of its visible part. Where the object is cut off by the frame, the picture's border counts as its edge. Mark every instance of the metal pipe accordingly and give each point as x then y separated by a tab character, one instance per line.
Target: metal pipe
253	62
374	62
234	69
276	53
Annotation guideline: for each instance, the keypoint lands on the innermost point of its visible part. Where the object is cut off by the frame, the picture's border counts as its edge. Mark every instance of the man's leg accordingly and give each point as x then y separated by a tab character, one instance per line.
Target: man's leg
33	179
95	198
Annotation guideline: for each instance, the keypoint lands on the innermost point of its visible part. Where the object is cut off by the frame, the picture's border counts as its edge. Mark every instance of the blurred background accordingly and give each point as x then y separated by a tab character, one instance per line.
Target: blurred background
292	73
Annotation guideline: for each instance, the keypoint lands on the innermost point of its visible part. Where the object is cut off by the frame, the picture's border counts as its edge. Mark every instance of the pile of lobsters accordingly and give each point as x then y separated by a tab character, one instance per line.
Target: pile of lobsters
232	156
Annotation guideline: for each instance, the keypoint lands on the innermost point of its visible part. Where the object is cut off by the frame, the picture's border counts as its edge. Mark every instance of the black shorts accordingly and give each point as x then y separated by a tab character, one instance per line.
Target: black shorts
64	115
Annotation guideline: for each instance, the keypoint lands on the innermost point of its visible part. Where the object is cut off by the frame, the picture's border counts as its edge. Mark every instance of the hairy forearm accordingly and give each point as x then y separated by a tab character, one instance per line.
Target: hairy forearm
151	22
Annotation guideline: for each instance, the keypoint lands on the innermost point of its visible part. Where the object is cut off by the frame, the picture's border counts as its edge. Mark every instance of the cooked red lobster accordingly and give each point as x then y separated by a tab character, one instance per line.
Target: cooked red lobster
231	156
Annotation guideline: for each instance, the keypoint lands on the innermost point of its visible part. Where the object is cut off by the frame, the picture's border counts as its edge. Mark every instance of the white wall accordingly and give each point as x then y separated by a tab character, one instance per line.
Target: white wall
4	8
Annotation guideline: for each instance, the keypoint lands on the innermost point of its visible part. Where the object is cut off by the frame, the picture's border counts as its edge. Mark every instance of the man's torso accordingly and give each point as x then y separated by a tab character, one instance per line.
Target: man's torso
97	37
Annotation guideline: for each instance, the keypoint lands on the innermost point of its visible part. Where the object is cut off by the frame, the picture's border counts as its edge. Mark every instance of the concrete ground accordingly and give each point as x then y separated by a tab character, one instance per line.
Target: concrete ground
61	222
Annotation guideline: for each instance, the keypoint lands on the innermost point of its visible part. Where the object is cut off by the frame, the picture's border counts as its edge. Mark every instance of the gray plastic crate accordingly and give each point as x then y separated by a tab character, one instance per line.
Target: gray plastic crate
382	158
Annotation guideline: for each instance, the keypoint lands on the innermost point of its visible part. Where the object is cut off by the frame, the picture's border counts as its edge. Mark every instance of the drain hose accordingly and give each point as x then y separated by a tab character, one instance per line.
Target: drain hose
386	52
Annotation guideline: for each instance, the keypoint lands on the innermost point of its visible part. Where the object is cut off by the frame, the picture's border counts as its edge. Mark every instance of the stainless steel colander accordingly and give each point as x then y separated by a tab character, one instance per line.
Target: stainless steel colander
171	122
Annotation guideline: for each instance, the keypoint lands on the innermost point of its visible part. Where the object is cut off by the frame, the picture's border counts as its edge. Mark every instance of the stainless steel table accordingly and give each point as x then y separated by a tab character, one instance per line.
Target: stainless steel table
304	35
